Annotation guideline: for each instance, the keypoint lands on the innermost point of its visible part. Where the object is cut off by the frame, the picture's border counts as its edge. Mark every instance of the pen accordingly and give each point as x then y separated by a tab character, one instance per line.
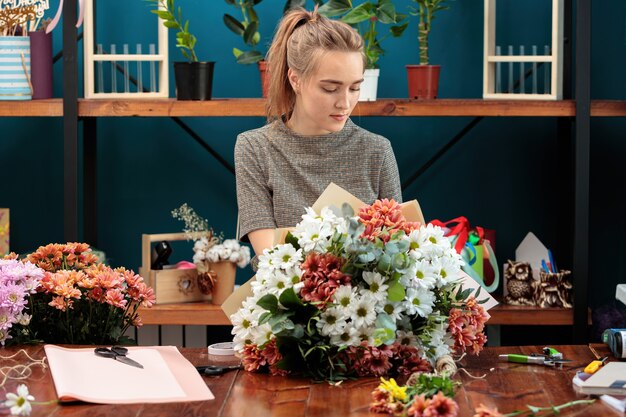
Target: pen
539	360
545	266
552	264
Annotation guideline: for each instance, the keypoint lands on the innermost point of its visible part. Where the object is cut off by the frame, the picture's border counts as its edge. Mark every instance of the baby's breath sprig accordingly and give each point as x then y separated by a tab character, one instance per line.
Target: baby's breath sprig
194	224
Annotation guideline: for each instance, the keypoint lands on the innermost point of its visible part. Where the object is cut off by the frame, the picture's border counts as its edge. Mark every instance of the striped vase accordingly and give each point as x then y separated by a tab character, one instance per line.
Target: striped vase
15	70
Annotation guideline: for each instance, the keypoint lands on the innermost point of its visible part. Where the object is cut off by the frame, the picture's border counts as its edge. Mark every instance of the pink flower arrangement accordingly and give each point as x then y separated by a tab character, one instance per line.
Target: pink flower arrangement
17	281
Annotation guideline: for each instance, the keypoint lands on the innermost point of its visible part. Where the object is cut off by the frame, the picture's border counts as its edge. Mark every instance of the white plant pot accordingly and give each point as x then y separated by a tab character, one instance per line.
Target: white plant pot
369	86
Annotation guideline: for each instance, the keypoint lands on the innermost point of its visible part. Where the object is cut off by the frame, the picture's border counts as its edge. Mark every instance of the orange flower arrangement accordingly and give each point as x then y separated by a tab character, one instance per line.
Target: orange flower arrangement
80	300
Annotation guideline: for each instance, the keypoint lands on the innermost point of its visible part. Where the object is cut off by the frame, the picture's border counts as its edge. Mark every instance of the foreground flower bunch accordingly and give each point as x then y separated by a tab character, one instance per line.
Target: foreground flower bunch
428	395
18	280
370	294
80	300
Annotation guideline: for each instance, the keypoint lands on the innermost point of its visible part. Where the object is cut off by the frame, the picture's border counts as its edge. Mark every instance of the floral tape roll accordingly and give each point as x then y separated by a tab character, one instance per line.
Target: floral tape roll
222	349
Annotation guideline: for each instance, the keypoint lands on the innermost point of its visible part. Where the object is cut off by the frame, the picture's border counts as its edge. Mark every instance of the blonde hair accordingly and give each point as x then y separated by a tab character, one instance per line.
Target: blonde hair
301	39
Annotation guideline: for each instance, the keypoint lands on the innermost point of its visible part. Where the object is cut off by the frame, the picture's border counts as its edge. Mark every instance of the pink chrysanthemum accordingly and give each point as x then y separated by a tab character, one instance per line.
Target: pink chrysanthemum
484	411
406	360
467	327
253	358
369	360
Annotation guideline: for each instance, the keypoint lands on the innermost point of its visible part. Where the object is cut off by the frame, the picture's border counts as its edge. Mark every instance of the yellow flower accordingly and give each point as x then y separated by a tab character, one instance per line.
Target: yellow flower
392	387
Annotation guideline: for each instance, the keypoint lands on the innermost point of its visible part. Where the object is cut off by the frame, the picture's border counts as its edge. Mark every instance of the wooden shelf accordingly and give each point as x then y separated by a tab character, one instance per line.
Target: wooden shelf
205	314
32	108
240	107
200	314
231	107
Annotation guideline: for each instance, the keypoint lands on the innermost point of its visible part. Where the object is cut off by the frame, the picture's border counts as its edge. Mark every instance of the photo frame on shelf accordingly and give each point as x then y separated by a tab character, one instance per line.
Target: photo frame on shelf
143	75
542	64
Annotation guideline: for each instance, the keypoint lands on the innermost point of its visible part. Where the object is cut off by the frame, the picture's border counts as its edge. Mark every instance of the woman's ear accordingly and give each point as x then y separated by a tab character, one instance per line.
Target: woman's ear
294	80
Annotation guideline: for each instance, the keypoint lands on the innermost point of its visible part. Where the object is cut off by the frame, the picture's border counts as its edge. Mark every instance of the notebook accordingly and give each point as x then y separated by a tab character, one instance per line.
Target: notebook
79	374
610	379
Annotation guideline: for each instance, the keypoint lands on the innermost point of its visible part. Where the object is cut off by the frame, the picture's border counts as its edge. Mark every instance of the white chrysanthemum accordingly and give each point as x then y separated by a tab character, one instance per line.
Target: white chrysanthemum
343	296
276	283
362	311
19	403
286	257
377	288
425	274
392	309
332	322
261	334
406	338
419	301
365	334
349	337
244	321
447	270
268	262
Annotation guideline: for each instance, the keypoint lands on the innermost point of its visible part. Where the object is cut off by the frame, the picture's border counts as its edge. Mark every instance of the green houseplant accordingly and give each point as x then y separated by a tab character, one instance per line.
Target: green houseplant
366	18
247	27
194	79
423	79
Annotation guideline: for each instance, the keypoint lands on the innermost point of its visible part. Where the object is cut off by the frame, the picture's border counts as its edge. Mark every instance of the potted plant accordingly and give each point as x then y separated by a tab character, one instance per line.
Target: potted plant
423	79
365	18
248	29
216	259
194	79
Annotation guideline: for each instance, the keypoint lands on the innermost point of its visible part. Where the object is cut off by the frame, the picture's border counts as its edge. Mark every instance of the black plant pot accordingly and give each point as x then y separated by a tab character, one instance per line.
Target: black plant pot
194	80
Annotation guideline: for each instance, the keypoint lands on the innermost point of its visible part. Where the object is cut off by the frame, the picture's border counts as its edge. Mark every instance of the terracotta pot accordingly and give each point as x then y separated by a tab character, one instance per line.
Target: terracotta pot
224	281
265	77
423	81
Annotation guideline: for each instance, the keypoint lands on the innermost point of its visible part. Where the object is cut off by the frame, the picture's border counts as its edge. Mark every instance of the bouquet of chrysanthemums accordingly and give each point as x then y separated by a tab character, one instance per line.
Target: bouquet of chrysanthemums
18	280
356	295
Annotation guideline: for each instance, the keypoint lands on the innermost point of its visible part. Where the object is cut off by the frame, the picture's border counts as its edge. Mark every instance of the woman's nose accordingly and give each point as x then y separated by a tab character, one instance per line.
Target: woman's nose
343	101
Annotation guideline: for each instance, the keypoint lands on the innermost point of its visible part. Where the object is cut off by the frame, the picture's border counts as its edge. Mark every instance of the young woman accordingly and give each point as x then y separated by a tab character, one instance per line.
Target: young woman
316	67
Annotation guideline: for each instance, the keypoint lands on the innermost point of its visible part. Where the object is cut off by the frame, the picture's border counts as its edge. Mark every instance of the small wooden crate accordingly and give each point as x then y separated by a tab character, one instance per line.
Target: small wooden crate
170	285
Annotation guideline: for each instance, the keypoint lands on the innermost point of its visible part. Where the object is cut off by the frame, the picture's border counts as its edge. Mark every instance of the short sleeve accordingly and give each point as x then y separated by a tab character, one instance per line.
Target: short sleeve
254	196
389	185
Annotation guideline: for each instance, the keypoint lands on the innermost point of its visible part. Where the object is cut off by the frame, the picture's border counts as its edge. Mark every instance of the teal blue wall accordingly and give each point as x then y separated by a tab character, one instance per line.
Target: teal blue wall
503	175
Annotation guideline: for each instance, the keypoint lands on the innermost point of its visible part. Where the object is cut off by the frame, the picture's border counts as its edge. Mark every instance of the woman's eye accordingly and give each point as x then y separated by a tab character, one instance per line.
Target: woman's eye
356	89
329	90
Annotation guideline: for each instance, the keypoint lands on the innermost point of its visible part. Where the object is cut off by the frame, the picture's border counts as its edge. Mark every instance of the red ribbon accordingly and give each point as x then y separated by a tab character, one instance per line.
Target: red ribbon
459	227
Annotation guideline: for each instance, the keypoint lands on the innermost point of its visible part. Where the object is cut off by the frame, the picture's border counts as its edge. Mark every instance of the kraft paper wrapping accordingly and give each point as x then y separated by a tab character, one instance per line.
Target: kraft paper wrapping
79	374
333	195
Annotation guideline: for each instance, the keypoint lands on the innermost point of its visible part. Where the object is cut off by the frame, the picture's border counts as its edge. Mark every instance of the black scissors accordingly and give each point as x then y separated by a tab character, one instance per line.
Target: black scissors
118	353
216	369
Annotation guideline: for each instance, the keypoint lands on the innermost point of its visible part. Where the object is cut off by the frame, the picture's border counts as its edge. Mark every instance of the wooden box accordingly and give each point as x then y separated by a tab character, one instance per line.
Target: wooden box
170	285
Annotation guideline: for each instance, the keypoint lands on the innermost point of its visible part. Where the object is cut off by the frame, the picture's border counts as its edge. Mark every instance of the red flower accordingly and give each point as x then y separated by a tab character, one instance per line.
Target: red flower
253	358
321	277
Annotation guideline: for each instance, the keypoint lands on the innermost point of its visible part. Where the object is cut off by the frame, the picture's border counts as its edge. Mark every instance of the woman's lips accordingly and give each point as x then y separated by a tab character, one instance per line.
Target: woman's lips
339	117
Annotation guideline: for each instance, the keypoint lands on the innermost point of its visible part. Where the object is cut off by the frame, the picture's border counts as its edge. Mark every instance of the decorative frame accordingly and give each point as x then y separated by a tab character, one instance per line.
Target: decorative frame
555	57
91	57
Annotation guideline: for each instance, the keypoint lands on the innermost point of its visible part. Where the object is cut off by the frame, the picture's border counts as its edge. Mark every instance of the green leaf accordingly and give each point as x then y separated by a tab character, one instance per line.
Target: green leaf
163	14
397	31
231	2
289	299
248	57
386	13
335	8
170	25
292	240
396	292
269	302
358	14
248	34
384	263
234	25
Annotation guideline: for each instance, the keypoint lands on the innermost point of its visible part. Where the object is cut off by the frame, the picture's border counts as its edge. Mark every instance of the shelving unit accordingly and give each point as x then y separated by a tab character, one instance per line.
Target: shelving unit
73	109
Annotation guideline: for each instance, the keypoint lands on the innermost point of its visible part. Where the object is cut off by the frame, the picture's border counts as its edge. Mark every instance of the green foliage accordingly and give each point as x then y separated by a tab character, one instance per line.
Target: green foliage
426	11
173	19
430	384
365	17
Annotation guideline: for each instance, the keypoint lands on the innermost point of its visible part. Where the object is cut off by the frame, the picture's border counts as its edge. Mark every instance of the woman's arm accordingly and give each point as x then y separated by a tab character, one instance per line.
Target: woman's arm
261	239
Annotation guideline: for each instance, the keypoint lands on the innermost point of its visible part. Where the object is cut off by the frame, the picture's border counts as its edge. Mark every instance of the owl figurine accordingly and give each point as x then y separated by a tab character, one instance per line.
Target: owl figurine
519	280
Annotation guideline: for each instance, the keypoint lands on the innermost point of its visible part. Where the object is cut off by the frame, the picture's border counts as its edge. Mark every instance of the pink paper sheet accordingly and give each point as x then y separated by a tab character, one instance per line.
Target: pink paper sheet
167	376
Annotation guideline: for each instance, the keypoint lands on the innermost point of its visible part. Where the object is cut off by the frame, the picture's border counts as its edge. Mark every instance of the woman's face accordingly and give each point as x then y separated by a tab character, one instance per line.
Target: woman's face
326	98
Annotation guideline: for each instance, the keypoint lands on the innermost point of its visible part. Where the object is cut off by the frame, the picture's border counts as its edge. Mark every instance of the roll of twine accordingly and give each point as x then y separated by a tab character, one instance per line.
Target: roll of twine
19	372
445	365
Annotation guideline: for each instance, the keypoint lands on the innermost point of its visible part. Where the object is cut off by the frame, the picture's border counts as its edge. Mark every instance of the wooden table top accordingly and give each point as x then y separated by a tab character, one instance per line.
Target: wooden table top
508	386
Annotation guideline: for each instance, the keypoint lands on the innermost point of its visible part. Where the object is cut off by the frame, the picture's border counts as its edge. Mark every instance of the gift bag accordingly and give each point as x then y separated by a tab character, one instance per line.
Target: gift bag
475	249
